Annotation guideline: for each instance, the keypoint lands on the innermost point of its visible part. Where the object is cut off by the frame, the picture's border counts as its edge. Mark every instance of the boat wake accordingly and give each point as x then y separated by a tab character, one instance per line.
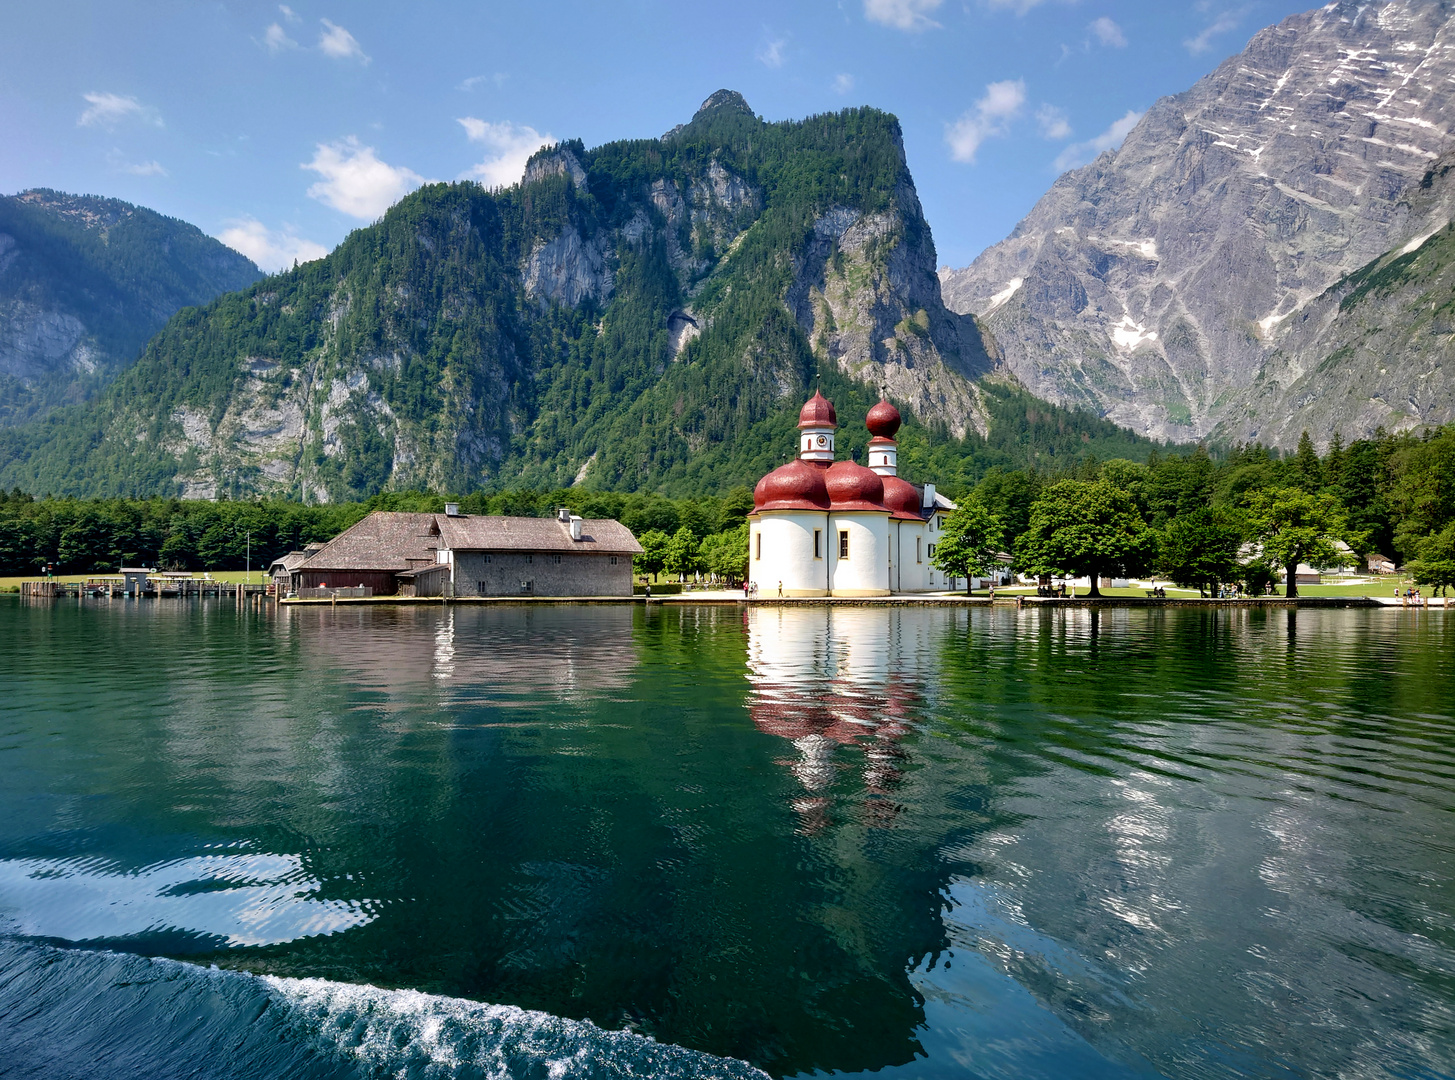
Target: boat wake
80	1013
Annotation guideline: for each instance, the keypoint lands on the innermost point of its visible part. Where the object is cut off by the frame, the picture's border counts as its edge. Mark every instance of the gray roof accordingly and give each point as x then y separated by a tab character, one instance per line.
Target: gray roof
490	533
384	540
290	562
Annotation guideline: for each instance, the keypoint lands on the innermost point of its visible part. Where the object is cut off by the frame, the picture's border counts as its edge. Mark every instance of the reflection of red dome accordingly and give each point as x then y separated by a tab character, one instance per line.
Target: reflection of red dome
853	487
883	420
799	485
901	497
818	411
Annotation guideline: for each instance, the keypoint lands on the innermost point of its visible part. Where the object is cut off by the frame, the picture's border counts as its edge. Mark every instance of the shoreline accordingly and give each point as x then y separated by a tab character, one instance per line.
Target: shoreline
892	601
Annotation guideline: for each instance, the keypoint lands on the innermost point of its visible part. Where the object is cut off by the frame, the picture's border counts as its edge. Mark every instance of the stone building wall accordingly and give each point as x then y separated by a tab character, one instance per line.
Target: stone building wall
549	574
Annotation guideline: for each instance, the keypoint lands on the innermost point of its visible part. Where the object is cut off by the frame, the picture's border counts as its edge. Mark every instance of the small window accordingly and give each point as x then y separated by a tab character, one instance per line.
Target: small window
613	560
758	548
480	588
556	558
918	542
530	558
843	543
932	550
818	543
487	558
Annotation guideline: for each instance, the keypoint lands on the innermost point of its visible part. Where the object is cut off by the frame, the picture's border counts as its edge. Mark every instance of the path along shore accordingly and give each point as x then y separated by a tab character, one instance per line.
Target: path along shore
735	596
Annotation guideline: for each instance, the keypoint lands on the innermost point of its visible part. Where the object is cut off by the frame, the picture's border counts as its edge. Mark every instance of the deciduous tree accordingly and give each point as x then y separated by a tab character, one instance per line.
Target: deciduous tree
1435	565
654	553
1092	528
1296	526
968	545
1199	549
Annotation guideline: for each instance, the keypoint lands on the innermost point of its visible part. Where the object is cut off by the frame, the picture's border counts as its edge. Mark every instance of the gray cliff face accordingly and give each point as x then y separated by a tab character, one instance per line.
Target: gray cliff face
867	297
1373	350
1157	284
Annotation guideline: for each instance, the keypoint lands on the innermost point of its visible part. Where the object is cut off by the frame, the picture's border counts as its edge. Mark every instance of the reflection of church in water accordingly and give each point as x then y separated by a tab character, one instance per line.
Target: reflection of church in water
833	681
822	527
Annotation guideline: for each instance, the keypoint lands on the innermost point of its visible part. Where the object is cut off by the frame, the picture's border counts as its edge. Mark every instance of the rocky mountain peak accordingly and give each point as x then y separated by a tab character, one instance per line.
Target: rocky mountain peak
1154	284
555	161
724	99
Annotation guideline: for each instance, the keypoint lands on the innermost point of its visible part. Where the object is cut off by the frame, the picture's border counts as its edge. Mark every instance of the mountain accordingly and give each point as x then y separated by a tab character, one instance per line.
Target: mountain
1181	284
649	314
84	282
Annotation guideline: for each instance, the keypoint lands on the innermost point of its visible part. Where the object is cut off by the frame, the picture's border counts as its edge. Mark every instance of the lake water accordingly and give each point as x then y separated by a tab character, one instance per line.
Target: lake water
561	841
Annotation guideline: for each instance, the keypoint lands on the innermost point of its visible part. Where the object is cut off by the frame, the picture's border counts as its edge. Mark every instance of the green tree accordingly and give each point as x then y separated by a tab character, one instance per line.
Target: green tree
1199	550
968	545
1296	526
1307	468
1087	528
682	555
726	553
1435	565
654	553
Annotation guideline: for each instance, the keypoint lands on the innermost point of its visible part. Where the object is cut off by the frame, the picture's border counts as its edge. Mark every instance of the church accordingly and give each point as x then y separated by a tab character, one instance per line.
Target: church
822	527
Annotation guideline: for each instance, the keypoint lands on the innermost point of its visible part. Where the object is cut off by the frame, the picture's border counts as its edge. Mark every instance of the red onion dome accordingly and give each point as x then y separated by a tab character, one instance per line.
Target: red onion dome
902	499
883	420
818	411
799	485
853	487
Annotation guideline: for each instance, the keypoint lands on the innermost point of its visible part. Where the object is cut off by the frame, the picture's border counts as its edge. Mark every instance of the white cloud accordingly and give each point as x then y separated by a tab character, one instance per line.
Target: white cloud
144	168
277	39
356	182
289	13
1020	7
270	249
1078	154
476	80
843	84
1109	33
771	52
1053	122
991	115
902	14
337	42
1226	19
108	110
510	147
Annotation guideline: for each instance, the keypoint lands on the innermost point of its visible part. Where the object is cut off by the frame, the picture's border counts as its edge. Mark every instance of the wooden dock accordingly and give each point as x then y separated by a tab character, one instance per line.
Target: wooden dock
175	588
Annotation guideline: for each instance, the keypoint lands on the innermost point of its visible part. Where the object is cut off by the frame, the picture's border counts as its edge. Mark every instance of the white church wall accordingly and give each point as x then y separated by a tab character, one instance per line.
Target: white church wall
866	571
780	548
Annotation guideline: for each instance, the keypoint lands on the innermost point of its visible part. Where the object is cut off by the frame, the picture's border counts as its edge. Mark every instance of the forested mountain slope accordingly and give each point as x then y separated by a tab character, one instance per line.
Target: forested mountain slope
84	282
646	315
1168	284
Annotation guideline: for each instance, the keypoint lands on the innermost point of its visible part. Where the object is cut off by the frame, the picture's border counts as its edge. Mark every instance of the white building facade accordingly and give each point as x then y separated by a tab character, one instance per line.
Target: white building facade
822	527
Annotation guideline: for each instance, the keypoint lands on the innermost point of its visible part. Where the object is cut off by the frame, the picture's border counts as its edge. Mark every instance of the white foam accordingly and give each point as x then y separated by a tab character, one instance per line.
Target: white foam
408	1032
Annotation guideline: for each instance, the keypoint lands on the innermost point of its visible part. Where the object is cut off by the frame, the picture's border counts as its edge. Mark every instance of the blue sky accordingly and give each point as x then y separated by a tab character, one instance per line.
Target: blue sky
280	128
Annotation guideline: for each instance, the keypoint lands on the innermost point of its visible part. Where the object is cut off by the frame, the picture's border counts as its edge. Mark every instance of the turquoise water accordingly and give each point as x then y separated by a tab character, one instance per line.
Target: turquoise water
607	841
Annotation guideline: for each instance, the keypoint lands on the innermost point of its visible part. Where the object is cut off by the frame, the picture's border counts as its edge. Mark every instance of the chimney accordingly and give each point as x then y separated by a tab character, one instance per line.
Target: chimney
575	527
452	509
563	514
